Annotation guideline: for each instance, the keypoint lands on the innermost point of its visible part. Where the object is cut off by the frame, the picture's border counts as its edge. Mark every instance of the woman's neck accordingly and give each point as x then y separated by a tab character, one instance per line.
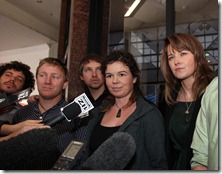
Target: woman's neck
186	89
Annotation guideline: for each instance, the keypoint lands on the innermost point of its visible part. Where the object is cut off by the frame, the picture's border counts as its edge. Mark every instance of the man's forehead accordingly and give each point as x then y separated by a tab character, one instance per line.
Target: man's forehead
50	69
14	71
92	63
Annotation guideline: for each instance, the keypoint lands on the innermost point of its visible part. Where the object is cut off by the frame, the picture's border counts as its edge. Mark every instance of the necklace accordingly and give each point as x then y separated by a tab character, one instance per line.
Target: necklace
188	106
42	107
45	112
118	115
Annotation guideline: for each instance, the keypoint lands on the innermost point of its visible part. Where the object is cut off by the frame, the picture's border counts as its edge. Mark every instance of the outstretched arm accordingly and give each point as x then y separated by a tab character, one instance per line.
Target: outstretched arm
7	129
22	130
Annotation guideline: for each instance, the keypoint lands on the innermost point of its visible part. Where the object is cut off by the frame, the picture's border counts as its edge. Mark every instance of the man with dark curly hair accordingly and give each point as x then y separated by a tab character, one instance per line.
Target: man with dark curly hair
14	77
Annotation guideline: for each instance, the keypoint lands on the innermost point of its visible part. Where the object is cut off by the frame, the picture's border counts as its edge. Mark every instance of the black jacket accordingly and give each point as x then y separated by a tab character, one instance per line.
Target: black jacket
146	126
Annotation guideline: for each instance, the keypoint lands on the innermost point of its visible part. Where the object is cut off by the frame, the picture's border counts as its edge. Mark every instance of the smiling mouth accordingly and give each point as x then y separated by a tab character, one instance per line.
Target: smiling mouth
116	89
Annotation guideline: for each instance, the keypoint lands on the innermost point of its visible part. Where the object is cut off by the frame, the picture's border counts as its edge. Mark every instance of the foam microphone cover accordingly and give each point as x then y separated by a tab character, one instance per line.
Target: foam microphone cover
114	154
28	150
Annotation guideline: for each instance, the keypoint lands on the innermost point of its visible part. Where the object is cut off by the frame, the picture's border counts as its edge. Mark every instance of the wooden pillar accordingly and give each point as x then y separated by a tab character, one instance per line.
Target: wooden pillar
81	36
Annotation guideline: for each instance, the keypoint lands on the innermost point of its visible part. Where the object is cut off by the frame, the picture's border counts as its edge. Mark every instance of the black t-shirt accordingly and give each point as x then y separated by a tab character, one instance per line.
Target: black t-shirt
99	135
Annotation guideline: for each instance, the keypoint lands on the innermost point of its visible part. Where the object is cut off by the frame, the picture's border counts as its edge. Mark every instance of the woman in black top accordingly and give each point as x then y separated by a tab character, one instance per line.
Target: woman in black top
126	110
186	73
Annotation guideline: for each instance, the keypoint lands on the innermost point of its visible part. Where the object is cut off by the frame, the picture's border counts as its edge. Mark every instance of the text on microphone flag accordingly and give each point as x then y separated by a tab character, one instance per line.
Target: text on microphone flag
84	103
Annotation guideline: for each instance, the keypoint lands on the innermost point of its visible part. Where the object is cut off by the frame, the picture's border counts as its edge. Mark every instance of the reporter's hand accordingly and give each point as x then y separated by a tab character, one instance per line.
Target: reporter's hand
29	127
27	123
33	98
8	129
199	167
22	130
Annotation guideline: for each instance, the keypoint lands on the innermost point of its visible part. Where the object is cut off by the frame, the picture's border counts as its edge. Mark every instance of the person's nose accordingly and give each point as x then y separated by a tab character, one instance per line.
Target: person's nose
94	73
115	79
12	79
176	60
48	79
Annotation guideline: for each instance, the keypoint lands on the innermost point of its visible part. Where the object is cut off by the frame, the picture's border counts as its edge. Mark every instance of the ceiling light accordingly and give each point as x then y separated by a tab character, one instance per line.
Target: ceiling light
132	8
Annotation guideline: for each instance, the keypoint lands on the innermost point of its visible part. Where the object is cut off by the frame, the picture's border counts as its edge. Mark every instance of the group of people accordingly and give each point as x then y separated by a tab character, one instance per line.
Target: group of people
175	135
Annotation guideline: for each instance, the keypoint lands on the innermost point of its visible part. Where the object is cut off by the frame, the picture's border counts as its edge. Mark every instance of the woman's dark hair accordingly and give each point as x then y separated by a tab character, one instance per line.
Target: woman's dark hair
21	67
128	60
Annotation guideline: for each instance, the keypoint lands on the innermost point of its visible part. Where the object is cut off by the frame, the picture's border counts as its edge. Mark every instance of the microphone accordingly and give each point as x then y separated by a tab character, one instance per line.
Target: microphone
79	107
34	149
6	100
114	154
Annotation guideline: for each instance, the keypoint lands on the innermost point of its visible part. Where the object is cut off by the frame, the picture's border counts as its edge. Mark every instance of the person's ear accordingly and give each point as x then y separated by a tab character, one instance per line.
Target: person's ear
134	79
65	85
81	78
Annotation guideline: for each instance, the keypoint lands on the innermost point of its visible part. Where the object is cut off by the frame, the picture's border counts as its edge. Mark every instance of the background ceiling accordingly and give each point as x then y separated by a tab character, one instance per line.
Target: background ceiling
25	23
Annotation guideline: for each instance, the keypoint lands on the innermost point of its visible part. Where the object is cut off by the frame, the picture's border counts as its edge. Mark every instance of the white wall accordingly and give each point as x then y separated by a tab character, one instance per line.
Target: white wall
29	55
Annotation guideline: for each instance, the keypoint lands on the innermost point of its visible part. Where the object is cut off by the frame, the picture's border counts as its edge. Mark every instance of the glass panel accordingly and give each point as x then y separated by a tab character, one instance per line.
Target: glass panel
145	31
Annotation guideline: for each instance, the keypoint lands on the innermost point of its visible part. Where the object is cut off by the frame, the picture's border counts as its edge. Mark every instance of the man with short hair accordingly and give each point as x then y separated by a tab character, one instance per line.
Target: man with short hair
94	87
52	80
92	78
14	77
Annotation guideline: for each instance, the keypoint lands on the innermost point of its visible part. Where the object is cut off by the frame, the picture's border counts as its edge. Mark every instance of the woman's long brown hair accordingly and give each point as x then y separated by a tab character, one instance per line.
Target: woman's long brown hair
203	74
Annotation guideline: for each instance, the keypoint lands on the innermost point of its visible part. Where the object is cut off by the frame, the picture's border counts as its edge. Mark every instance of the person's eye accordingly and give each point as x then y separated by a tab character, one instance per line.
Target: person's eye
42	75
20	80
170	57
183	54
87	70
55	77
108	75
8	74
122	74
98	69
